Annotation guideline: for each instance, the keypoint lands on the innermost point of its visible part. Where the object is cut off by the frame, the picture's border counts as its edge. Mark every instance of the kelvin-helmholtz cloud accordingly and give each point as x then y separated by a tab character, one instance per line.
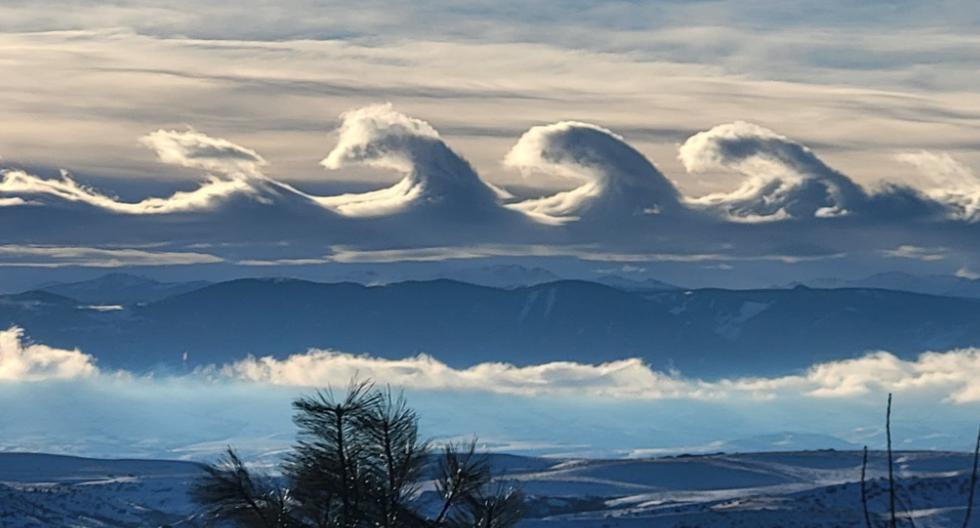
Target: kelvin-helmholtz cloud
620	201
616	181
782	179
434	175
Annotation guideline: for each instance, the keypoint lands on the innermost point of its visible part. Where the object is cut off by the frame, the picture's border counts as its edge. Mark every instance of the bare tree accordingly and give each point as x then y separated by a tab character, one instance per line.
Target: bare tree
893	523
907	505
358	463
973	483
864	490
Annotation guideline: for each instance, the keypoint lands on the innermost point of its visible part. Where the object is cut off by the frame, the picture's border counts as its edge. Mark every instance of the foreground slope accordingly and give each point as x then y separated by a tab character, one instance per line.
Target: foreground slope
807	488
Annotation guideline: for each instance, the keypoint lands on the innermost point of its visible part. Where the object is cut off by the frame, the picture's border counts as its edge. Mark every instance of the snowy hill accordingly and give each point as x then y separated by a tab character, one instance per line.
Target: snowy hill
38	490
806	488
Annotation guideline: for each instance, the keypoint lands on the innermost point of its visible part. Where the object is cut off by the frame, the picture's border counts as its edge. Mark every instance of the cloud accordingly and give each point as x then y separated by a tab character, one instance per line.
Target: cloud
33	256
594	253
954	376
625	209
966	273
234	170
617	180
783	179
925	254
948	181
8	202
66	189
435	175
200	151
58	400
23	361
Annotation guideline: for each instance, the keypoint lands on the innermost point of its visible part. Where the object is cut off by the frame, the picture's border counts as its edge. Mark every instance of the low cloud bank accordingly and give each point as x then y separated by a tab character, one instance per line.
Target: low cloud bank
21	360
58	401
952	376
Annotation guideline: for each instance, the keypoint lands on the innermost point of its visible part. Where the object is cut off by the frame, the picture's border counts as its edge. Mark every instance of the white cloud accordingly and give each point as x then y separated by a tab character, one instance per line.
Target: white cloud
782	178
617	180
966	273
200	151
8	202
12	255
379	136
952	376
947	181
926	254
23	361
233	170
67	189
584	252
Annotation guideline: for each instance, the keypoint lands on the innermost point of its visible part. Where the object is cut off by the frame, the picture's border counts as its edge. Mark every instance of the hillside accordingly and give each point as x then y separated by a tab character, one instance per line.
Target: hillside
764	490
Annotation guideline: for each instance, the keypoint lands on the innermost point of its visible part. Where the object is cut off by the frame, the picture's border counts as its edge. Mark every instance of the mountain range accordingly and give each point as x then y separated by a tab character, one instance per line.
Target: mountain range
951	285
120	288
703	332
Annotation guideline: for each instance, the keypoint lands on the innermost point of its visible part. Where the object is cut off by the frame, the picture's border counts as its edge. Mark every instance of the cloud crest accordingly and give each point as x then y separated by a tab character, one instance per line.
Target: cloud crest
233	171
949	182
783	179
23	361
618	181
434	175
200	151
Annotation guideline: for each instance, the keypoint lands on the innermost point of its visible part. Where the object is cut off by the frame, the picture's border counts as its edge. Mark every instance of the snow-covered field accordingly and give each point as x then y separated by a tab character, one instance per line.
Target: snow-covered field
807	488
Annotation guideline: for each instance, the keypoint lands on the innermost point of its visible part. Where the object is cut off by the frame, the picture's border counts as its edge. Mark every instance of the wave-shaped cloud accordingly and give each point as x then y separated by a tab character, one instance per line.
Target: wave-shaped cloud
68	190
233	170
23	361
783	179
379	136
950	182
954	376
200	151
618	181
623	206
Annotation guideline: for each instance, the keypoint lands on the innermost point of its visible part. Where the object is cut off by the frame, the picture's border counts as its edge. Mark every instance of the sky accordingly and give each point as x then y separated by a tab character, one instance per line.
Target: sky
706	143
291	137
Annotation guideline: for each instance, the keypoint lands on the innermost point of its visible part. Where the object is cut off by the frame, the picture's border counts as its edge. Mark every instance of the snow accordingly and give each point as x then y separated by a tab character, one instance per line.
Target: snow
759	490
